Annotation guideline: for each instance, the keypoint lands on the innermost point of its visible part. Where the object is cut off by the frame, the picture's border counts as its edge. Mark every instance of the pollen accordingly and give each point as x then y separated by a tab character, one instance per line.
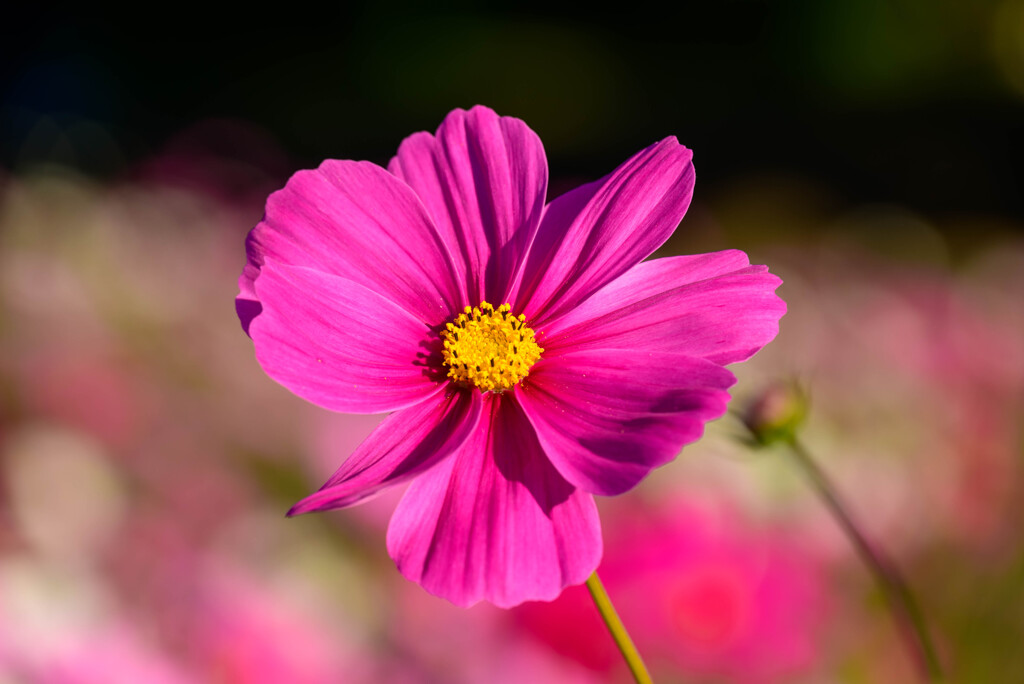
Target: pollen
489	348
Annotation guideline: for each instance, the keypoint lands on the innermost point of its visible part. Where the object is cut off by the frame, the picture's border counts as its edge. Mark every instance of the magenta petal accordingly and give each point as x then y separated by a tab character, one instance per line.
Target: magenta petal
407	443
597	232
713	306
483	179
338	344
606	418
357	221
496	521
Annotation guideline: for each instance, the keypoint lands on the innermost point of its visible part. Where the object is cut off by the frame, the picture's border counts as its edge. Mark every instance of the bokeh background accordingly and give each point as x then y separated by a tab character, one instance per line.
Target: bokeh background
868	152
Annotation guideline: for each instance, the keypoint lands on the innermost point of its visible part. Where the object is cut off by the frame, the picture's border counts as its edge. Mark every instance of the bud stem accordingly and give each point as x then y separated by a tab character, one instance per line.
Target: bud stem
897	594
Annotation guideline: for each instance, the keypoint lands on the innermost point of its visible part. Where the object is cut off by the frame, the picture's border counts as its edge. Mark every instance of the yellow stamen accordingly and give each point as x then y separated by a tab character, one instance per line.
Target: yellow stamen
489	348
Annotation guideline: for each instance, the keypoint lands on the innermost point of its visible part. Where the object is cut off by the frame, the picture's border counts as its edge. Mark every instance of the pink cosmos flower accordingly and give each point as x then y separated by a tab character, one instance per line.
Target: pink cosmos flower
528	357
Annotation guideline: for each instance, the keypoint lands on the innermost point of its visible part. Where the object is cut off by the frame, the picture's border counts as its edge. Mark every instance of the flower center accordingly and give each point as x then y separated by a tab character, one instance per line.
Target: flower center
489	348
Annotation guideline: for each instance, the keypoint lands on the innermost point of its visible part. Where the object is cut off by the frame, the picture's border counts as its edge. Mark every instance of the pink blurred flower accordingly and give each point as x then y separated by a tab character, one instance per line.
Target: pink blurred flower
250	632
115	655
491	648
86	389
703	592
61	627
353	294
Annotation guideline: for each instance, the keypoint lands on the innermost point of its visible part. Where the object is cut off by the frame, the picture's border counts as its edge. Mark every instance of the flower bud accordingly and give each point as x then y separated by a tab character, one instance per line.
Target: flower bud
776	415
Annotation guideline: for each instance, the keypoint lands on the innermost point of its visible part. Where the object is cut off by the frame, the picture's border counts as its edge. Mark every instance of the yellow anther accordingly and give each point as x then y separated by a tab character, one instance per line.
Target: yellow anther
489	348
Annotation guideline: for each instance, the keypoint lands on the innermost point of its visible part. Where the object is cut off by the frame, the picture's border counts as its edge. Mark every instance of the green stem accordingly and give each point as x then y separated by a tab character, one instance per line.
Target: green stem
895	590
618	630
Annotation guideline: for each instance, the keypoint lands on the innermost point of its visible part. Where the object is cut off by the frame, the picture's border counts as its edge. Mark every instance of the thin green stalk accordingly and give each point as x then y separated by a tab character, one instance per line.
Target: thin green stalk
895	590
618	630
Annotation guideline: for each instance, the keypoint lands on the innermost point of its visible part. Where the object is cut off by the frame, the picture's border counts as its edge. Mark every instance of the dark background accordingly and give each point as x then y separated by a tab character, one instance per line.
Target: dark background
918	103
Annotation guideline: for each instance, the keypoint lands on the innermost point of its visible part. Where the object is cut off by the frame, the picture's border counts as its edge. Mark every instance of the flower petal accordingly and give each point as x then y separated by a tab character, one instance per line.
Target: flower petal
483	179
407	443
713	306
357	221
597	232
606	418
340	345
496	521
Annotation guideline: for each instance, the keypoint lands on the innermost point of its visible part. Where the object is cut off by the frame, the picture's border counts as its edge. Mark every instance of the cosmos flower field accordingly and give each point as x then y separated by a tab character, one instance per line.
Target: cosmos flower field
147	462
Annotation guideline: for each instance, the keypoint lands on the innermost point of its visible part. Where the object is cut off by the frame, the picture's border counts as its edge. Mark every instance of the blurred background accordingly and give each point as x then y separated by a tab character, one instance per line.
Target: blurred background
867	152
